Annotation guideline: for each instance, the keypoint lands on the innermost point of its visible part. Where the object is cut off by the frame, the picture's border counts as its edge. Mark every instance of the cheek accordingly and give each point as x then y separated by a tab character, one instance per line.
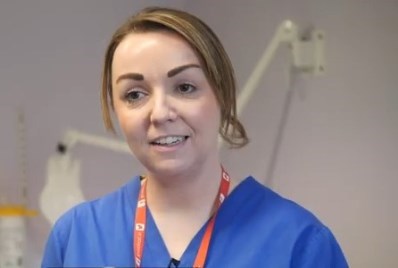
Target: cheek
128	122
124	124
209	116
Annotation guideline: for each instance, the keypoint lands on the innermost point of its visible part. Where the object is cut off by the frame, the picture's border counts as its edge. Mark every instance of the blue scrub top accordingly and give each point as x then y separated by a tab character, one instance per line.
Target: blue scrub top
255	227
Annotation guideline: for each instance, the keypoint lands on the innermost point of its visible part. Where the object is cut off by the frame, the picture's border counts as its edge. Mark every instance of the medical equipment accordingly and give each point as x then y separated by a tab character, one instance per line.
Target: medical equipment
62	189
307	57
13	235
13	217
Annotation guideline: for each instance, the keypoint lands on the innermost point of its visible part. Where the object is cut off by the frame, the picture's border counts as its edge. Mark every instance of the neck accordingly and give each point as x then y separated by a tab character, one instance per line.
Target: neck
188	191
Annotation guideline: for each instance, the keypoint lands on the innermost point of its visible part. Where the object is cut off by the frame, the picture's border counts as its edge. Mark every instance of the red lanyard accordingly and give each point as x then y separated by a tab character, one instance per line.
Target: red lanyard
140	223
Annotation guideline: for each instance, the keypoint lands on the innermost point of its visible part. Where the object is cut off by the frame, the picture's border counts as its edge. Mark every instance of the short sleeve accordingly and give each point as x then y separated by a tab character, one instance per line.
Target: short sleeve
52	253
317	247
55	247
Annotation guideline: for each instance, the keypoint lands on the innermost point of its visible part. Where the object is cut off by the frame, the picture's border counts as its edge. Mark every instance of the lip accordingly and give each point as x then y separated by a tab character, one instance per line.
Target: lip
151	141
169	148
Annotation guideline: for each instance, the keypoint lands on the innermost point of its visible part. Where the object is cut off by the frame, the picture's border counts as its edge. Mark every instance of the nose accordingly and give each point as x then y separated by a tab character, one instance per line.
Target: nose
162	109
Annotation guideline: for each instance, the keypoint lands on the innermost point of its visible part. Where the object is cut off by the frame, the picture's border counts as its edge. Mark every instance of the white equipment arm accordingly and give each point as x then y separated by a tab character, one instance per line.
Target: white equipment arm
286	32
307	57
72	137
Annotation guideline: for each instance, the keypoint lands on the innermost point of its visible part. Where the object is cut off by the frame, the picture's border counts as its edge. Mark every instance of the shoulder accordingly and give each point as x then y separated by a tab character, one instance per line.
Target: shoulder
96	226
307	240
317	247
266	203
92	212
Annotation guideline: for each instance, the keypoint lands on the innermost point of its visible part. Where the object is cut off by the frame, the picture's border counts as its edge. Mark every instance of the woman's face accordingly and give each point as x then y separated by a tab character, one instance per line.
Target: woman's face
164	104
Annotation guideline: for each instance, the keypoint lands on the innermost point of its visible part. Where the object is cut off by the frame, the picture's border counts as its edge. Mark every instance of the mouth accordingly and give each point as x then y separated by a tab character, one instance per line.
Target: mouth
169	140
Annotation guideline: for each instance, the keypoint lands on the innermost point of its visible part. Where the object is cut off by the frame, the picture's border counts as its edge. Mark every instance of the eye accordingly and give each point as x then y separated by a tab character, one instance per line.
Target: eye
134	96
186	88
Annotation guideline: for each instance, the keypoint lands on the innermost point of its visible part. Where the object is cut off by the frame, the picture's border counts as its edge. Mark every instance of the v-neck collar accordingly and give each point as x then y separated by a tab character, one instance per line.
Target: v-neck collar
155	250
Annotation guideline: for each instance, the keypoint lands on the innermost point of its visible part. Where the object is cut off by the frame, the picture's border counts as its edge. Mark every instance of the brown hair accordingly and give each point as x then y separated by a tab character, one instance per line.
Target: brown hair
208	48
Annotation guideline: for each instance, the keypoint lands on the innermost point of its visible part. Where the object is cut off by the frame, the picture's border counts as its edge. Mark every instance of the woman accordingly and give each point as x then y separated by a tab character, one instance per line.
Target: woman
172	88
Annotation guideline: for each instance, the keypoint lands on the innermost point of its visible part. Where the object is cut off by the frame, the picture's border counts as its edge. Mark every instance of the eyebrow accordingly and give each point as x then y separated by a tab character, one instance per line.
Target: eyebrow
171	73
179	69
132	76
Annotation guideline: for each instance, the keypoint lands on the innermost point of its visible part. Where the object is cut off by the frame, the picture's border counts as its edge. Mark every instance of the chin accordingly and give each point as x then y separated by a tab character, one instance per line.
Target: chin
169	168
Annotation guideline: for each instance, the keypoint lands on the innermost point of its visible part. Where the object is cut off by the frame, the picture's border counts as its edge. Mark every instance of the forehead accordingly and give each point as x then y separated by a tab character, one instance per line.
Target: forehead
150	48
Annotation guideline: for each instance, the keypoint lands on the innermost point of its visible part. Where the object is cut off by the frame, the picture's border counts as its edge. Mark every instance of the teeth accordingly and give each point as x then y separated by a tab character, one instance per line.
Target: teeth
169	140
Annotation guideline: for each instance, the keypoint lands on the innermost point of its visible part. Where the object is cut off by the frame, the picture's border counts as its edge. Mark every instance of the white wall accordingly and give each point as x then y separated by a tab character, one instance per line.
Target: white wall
338	151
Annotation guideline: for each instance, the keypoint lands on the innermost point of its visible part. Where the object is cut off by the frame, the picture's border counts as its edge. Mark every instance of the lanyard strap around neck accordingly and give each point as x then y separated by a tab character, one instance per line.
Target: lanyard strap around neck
140	223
